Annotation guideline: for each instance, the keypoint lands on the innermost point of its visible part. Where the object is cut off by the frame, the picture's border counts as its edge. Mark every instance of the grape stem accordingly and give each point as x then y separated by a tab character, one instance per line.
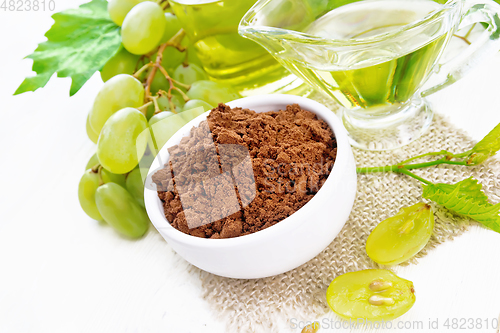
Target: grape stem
411	174
160	2
448	158
152	74
142	70
173	82
169	78
99	173
397	167
463	38
173	42
467	35
95	168
185	63
144	108
154	99
170	102
404	167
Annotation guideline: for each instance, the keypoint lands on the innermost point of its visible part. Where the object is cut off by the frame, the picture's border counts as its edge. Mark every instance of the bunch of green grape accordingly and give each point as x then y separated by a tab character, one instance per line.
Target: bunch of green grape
142	93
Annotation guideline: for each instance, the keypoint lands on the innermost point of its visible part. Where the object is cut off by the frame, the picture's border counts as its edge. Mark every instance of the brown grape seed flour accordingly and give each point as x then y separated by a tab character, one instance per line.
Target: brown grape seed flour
240	171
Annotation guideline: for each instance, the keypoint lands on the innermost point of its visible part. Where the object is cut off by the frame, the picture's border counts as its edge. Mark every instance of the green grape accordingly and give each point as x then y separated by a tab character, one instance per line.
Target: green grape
195	103
193	56
86	194
119	148
164	105
147	160
143	28
122	62
135	185
212	92
118	9
159	82
173	26
117	93
165	124
176	99
373	294
172	58
150	112
93	136
402	236
107	176
189	74
160	116
120	210
93	161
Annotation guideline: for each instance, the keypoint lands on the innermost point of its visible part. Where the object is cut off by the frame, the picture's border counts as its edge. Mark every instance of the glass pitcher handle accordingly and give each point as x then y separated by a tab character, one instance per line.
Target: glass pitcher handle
485	46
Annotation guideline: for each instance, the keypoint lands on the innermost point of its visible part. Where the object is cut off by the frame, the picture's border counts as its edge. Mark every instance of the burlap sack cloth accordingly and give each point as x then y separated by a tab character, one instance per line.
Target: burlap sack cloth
265	305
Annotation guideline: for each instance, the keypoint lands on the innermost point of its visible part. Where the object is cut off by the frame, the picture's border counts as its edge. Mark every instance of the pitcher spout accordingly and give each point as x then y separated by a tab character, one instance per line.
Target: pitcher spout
270	22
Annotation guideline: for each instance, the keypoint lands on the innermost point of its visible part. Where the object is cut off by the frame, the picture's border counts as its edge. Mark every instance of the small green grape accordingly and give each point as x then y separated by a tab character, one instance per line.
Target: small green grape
143	28
123	62
373	294
93	136
212	92
193	56
196	103
119	148
135	185
119	92
165	124
160	116
86	194
172	58
189	74
118	9
162	130
173	26
402	236
147	160
176	99
93	161
107	176
150	112
120	210
159	82
164	105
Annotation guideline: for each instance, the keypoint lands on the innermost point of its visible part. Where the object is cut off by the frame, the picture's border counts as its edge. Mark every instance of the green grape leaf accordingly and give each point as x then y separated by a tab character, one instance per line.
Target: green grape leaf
79	43
469	187
466	198
485	148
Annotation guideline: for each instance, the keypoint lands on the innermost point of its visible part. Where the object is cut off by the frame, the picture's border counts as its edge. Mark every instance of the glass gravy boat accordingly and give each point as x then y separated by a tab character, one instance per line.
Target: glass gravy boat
378	58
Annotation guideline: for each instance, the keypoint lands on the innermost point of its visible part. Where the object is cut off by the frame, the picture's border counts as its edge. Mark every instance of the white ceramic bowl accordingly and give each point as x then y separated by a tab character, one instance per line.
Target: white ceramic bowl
289	243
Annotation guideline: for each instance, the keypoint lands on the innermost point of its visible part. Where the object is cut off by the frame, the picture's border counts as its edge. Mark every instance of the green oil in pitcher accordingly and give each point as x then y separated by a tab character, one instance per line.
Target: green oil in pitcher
378	59
367	80
212	27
